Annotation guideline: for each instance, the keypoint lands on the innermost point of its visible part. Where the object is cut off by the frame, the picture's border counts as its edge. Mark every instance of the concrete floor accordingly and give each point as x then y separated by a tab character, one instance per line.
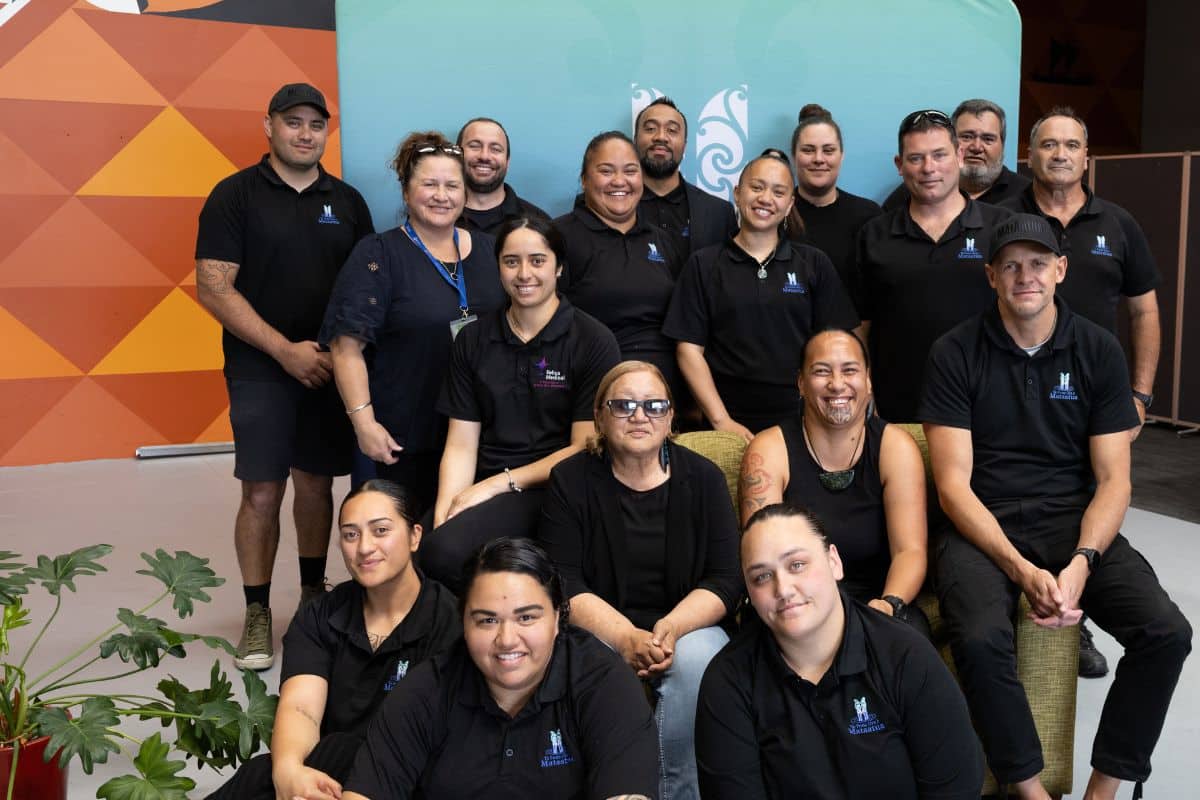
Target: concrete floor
189	503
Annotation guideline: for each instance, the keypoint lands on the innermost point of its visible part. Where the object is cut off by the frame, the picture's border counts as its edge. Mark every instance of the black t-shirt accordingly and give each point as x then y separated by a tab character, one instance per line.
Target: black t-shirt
832	229
1107	256
289	247
854	517
752	329
645	518
586	733
1030	417
886	720
625	280
526	395
390	296
1008	184
913	290
489	220
328	638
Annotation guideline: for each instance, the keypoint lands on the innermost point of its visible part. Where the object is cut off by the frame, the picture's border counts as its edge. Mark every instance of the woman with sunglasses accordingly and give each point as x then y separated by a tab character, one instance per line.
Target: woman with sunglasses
832	216
398	302
525	706
646	539
861	476
743	310
518	394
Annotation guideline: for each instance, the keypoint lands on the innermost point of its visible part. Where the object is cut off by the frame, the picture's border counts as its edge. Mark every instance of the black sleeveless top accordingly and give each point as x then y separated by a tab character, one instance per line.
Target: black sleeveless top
853	518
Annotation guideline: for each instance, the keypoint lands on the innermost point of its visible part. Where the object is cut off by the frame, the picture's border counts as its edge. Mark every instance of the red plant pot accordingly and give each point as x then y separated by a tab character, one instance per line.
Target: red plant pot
36	779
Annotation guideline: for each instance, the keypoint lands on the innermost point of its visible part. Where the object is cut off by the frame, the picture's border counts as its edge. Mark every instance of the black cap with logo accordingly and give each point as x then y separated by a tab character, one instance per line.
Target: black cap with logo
1023	228
298	94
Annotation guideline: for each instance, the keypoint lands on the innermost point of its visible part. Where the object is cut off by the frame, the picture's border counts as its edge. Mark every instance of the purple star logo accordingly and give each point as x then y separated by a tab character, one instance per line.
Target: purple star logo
541	364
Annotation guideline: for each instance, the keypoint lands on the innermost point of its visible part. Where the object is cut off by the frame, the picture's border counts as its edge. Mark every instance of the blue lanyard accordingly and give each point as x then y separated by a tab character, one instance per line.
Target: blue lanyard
461	283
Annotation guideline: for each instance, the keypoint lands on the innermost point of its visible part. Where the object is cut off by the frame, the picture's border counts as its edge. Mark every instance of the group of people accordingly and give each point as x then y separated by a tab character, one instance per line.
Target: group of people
514	383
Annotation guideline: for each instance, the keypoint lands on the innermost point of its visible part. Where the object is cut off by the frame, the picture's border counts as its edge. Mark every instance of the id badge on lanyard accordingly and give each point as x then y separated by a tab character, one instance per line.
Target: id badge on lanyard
457	280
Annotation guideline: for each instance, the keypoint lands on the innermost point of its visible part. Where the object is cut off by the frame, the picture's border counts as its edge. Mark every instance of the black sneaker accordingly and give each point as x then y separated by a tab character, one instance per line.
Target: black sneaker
310	593
1092	663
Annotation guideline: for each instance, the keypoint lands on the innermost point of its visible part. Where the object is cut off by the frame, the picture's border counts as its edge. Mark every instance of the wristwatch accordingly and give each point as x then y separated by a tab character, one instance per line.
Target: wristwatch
899	607
1146	399
1090	554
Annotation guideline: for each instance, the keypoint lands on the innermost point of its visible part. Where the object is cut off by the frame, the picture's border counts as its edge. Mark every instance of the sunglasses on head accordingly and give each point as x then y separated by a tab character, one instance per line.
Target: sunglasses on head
931	115
448	149
622	409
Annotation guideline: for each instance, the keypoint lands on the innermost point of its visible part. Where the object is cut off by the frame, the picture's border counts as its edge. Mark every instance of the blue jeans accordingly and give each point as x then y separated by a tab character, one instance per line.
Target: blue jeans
675	712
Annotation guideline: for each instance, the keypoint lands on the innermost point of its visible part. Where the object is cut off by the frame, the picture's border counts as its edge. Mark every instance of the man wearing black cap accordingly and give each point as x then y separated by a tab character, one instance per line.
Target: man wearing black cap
1026	408
271	241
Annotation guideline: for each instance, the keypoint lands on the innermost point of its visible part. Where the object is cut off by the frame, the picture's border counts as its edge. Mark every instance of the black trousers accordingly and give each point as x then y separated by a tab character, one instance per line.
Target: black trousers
1122	596
444	550
333	755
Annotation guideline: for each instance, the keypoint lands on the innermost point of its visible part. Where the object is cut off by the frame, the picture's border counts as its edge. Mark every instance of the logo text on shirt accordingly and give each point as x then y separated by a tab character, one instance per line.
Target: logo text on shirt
864	721
793	286
556	755
1064	390
1101	248
654	255
327	217
969	250
397	676
545	377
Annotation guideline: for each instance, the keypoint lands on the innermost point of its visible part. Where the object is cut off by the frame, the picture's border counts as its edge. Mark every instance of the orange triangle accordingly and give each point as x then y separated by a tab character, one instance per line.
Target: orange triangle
316	50
245	77
87	423
177	336
169	158
332	160
219	430
22	214
22	404
180	405
28	24
69	61
82	323
24	355
22	175
237	133
168	52
72	140
163	229
74	247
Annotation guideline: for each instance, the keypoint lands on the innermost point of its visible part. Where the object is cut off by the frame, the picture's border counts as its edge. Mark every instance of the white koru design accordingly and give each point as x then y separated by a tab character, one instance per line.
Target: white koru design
9	8
721	135
642	96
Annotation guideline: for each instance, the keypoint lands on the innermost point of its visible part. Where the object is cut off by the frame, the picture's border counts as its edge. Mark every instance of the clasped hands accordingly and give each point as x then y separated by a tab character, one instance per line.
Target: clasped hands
1055	600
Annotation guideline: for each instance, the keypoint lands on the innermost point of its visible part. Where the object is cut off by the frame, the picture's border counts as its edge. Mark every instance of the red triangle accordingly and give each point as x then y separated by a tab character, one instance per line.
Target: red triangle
22	215
72	141
22	175
29	22
169	52
315	50
237	134
163	229
180	405
84	323
190	290
23	403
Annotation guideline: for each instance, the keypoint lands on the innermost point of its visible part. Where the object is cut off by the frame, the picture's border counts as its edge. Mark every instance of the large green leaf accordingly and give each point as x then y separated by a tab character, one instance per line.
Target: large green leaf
86	735
55	573
157	780
145	642
260	714
209	739
179	638
14	580
12	616
186	577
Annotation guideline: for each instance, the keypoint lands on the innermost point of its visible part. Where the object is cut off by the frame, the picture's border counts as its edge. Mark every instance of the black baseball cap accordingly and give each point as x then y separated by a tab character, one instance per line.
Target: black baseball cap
1023	228
298	94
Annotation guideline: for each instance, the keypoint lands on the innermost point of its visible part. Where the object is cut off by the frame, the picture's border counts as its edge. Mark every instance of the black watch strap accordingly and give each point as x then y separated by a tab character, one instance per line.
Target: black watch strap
899	607
1147	399
1090	554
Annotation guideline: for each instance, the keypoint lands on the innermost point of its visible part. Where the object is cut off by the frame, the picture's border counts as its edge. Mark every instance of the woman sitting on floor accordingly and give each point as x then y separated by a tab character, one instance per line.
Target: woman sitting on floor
646	539
346	650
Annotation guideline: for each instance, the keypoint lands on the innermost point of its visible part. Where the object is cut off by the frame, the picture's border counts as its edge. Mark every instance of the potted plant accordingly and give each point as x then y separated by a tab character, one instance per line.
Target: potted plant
62	707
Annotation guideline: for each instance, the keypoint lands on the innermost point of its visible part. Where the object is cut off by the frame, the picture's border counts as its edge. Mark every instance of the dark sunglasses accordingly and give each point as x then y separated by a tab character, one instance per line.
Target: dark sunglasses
450	149
931	115
621	409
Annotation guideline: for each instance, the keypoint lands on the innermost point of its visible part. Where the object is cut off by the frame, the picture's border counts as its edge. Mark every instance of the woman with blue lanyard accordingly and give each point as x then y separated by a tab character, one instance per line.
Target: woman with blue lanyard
398	302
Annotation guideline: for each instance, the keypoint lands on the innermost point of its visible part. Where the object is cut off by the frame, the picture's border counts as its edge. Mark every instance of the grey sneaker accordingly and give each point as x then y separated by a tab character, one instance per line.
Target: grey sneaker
255	649
310	593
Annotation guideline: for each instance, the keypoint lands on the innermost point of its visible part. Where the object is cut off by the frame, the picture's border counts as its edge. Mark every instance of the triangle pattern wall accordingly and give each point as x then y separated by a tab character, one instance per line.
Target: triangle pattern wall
113	129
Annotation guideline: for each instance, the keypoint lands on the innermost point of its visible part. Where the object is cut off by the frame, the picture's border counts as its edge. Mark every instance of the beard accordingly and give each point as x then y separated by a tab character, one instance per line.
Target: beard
475	187
979	177
659	168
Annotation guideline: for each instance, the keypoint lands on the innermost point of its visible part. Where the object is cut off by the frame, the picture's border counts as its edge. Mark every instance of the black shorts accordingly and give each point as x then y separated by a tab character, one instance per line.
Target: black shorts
278	425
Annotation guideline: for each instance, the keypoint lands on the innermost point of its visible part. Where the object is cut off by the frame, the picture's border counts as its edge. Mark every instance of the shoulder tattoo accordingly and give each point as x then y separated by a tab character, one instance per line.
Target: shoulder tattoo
216	276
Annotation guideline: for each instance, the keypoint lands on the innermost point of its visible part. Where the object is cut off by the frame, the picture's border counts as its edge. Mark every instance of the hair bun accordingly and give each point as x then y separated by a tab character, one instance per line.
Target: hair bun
812	112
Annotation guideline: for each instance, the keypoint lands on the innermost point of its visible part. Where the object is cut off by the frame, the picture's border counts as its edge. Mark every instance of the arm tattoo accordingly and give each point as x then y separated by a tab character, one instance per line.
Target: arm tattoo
305	713
755	483
216	276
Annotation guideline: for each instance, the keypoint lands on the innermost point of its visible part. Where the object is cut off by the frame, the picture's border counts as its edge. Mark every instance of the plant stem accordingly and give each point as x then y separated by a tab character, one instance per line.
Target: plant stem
42	632
75	671
68	700
60	685
12	771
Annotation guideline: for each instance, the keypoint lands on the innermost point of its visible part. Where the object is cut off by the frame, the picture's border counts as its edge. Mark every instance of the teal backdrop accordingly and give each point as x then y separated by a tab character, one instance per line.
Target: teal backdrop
556	72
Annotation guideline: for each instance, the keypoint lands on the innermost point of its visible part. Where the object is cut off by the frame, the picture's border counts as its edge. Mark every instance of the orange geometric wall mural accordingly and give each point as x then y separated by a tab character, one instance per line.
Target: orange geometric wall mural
113	129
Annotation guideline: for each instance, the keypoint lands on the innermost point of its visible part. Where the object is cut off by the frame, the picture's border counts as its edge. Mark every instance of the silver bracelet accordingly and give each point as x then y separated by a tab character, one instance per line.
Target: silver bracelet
512	485
356	409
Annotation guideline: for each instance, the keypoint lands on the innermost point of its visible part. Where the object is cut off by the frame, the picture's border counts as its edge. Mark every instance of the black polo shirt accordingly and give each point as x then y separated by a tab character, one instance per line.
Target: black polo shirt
625	280
289	246
490	220
753	329
1007	185
670	213
834	228
390	296
587	732
526	395
885	721
328	638
1107	256
913	290
1030	417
